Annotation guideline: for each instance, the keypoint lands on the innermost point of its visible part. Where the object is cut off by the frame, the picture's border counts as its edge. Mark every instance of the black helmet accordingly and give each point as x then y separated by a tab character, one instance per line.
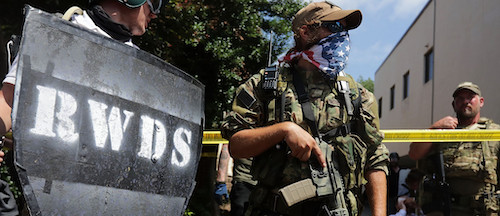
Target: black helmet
155	5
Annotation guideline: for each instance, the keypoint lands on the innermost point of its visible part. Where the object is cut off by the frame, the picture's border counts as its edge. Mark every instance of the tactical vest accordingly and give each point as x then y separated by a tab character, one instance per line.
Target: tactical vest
470	170
350	136
472	160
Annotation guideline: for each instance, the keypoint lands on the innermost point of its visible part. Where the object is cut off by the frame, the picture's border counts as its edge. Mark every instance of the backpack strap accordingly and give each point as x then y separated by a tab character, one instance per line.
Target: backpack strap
354	103
345	90
72	10
484	124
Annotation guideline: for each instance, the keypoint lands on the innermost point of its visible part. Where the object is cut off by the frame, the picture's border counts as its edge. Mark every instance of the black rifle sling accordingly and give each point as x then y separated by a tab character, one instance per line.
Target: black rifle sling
337	185
305	104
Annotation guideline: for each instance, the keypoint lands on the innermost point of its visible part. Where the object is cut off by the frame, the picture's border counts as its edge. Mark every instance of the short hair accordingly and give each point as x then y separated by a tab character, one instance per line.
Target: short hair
394	155
415	175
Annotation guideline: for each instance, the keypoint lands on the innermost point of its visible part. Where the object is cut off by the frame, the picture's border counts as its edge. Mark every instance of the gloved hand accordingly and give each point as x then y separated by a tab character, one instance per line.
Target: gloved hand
220	193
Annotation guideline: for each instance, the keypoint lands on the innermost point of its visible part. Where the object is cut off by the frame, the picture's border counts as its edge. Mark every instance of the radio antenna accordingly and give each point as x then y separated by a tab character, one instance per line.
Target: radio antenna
270	49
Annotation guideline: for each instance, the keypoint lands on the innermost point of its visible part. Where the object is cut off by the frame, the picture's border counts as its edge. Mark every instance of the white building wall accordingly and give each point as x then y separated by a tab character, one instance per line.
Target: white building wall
466	45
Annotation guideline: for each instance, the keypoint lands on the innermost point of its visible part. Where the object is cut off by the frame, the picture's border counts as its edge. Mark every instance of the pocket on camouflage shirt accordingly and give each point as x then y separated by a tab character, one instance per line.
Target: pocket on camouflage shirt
464	163
332	112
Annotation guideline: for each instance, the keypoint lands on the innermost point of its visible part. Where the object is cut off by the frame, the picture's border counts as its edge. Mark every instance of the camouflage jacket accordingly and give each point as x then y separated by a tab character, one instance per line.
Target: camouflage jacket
471	169
476	161
252	108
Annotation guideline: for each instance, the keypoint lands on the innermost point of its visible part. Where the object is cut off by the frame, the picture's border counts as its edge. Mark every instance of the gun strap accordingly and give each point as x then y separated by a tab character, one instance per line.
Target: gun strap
305	104
331	168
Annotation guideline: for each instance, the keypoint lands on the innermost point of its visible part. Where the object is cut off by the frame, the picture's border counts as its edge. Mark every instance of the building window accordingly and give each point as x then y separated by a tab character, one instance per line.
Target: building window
406	84
380	107
392	96
429	66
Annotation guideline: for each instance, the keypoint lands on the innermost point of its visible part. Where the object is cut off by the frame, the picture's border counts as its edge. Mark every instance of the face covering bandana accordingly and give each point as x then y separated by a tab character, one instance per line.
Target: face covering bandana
330	55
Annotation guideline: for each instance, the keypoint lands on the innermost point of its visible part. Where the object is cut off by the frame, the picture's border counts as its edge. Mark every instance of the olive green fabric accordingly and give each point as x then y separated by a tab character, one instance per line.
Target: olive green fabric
471	169
368	153
241	170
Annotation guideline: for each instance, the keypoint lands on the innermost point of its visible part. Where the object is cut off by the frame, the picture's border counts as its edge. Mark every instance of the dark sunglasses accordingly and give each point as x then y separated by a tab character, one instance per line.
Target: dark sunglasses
334	27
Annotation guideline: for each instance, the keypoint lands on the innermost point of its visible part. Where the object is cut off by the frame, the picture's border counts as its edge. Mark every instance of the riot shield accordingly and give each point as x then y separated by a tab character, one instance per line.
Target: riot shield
100	127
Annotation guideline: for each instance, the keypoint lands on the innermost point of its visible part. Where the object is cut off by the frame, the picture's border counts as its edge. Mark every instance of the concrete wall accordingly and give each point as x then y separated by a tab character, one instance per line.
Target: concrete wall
465	38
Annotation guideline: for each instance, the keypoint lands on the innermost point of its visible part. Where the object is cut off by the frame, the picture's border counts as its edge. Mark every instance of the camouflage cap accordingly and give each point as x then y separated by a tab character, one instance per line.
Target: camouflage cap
323	12
469	86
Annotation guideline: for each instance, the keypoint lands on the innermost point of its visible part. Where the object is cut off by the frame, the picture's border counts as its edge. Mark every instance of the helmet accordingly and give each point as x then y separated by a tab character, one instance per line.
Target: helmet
133	3
155	5
129	3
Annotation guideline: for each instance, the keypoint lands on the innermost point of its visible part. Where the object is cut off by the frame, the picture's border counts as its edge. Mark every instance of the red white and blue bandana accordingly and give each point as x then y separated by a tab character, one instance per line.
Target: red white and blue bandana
330	55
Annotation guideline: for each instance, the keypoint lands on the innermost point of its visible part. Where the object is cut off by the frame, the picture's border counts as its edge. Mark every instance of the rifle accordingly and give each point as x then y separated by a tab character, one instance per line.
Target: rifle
438	183
444	187
324	181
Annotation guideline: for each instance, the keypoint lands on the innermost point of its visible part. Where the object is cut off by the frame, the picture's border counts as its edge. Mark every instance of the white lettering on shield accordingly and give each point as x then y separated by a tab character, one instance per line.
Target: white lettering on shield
112	126
46	115
55	118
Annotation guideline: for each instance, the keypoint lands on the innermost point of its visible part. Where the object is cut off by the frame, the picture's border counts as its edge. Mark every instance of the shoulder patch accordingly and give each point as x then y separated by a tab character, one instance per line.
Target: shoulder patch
245	98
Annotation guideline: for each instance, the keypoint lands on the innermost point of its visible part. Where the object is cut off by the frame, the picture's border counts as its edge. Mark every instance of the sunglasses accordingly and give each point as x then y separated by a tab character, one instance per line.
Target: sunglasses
334	27
155	6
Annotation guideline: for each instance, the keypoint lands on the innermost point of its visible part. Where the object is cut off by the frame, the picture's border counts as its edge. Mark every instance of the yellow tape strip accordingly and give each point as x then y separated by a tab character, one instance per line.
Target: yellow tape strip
458	135
214	137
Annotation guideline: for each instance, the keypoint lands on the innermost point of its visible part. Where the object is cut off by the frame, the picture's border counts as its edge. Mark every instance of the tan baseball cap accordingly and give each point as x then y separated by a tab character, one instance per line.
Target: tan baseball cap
323	12
469	86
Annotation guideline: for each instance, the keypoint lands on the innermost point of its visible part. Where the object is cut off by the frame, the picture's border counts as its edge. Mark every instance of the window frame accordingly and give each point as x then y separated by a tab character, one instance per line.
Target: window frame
406	85
392	101
429	65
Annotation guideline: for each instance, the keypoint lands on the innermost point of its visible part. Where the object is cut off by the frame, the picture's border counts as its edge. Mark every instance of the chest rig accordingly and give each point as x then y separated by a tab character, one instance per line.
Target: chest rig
471	160
283	88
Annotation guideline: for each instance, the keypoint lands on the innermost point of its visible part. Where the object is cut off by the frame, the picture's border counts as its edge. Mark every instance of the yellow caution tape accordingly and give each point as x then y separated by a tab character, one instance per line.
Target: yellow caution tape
459	135
213	137
448	135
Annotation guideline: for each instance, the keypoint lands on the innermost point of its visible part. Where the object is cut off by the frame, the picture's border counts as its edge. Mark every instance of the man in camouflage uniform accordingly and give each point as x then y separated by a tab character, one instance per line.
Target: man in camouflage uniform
470	167
272	128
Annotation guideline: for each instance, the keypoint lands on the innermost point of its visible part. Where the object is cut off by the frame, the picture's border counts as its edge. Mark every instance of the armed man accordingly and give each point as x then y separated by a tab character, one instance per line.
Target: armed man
117	19
312	130
470	168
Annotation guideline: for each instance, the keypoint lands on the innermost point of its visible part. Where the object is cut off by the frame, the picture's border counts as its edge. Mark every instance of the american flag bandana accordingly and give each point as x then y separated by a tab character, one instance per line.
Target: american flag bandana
330	55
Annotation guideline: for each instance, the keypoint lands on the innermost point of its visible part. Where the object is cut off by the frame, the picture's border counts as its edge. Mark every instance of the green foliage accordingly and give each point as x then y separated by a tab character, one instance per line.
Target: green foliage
219	42
6	175
367	83
189	213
